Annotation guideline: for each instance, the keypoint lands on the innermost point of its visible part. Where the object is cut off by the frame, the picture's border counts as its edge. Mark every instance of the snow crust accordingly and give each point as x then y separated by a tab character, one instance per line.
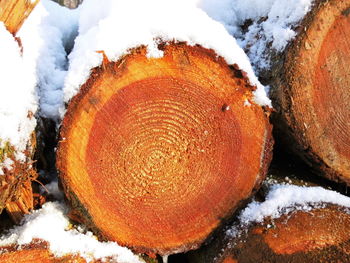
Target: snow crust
273	23
47	35
51	224
118	26
18	96
283	199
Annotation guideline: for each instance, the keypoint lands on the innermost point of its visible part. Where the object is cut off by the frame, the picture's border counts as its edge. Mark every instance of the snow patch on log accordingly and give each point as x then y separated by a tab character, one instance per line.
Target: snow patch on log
51	224
47	35
283	199
258	25
118	26
18	102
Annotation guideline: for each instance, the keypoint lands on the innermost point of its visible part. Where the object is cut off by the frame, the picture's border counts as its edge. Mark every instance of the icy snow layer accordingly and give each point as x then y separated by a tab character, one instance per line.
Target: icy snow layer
273	23
119	25
51	224
46	35
283	199
17	96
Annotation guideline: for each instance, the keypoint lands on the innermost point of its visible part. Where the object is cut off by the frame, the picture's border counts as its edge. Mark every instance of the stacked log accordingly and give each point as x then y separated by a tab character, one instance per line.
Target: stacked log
38	251
310	84
149	158
310	91
319	235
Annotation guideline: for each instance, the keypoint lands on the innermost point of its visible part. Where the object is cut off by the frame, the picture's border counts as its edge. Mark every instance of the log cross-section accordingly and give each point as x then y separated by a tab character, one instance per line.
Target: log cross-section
311	90
156	152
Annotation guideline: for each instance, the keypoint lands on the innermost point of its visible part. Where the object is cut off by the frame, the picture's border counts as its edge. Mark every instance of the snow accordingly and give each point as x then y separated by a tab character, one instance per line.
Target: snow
283	199
210	23
52	225
273	24
50	31
18	96
47	35
7	164
118	26
34	76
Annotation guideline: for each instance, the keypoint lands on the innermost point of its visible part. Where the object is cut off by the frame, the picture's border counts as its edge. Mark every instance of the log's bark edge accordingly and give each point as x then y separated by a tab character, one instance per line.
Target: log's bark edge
288	131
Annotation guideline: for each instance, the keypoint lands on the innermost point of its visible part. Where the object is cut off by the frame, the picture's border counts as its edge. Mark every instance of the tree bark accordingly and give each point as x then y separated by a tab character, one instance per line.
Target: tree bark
15	185
156	153
320	235
69	3
311	90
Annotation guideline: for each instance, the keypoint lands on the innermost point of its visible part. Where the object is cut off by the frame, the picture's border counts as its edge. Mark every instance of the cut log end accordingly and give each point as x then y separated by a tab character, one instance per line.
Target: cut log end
156	152
332	93
312	97
320	235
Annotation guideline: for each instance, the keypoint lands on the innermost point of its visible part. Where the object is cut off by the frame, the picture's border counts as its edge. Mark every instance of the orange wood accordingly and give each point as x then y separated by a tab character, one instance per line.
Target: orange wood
23	204
38	252
332	94
306	231
319	235
313	93
229	259
155	153
14	12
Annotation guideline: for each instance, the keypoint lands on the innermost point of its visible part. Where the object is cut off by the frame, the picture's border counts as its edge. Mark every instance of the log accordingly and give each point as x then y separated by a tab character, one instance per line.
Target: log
310	90
319	235
16	195
38	251
14	12
156	152
15	183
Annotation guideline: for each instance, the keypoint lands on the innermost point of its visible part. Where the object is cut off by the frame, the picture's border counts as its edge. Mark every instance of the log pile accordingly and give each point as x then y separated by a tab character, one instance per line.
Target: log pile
160	154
